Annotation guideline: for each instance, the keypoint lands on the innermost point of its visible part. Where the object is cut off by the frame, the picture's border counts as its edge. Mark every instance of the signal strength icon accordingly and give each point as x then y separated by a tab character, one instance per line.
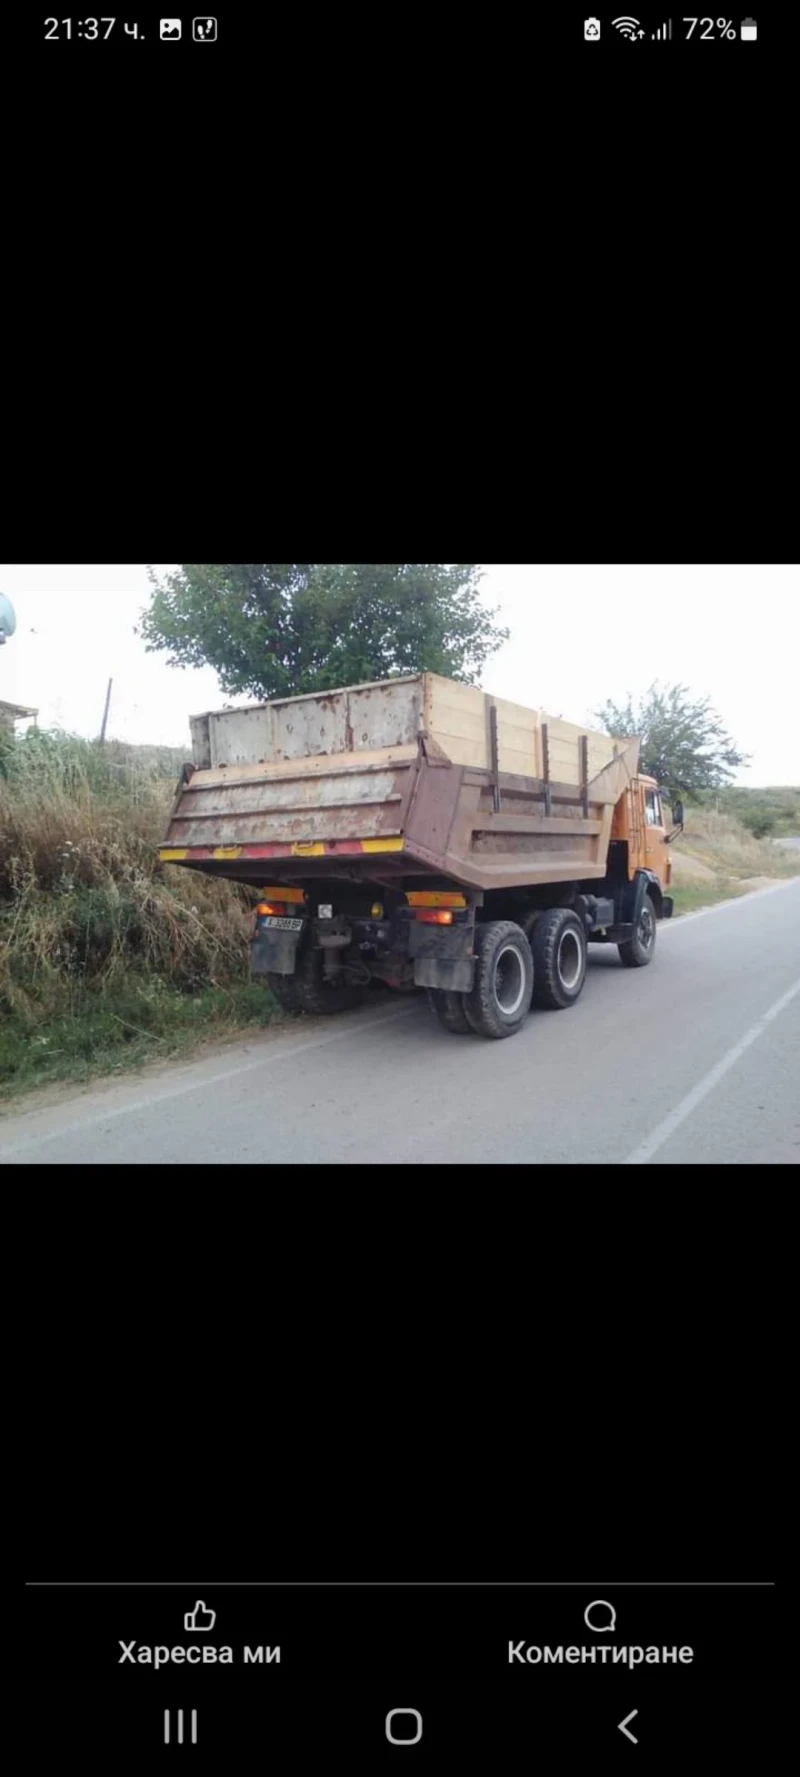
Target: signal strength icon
664	31
628	27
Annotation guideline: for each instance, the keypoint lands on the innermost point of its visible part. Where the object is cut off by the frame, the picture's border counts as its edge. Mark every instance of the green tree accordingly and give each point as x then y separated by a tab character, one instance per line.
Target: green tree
277	631
684	744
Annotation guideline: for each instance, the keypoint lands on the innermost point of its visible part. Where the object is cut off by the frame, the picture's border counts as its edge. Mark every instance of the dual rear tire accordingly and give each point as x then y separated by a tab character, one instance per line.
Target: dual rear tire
449	1009
308	990
514	971
501	993
559	959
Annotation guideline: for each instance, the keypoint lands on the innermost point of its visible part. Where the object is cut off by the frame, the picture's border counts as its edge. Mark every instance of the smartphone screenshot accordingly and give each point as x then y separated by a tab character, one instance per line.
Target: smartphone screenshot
330	893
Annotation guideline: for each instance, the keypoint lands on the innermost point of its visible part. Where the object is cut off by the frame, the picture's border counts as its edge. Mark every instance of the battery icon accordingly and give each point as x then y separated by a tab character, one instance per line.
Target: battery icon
749	30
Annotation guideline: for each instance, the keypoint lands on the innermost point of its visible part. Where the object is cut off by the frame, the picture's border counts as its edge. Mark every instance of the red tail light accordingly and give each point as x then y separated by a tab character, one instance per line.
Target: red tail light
431	916
266	907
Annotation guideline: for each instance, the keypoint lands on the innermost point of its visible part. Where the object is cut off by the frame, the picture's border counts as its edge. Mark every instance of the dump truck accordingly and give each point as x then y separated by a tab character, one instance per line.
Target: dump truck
425	834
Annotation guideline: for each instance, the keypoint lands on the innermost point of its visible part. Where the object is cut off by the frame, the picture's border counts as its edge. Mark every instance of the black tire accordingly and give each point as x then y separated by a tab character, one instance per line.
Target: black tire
501	995
559	959
315	994
449	1009
283	989
638	951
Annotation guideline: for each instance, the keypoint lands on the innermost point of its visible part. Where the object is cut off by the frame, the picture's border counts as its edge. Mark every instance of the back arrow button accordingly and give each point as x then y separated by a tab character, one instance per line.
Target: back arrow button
623	1727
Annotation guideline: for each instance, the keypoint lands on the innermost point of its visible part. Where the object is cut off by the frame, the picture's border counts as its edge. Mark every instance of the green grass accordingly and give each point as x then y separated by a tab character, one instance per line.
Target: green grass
689	897
139	1021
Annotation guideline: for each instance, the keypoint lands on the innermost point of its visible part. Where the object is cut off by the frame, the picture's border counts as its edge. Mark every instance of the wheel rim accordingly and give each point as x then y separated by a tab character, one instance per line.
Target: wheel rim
646	928
570	959
509	980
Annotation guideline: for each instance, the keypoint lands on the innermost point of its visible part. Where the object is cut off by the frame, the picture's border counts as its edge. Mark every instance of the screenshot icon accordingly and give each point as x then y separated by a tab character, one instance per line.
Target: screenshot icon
171	30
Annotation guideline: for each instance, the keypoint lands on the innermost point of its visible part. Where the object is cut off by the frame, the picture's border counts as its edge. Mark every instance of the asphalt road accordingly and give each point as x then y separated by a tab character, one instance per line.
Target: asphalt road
695	1059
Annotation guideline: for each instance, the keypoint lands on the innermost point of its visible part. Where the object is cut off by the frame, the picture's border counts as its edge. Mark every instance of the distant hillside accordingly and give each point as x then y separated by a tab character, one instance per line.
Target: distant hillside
718	856
774	811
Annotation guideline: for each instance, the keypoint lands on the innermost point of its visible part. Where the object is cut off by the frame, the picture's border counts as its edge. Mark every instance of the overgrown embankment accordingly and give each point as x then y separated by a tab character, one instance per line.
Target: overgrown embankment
107	957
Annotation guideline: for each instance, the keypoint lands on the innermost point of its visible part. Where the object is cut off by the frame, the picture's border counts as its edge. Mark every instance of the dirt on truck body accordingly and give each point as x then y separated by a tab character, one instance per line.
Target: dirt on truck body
425	834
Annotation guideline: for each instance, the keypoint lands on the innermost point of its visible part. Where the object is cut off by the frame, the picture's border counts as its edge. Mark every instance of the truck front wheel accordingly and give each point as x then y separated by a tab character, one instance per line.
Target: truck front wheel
501	995
637	952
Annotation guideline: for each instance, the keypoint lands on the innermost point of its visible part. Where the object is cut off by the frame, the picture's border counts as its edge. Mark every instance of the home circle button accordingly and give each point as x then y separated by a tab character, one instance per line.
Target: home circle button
404	1727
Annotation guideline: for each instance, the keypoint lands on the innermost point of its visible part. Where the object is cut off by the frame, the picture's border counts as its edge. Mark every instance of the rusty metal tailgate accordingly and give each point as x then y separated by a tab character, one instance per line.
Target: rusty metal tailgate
292	808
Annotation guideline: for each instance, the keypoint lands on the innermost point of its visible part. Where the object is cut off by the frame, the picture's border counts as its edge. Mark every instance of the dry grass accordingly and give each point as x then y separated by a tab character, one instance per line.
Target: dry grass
719	842
716	858
103	949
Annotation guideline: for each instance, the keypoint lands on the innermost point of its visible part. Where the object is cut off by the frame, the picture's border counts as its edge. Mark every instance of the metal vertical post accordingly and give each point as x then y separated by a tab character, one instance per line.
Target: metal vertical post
546	769
583	750
495	757
105	712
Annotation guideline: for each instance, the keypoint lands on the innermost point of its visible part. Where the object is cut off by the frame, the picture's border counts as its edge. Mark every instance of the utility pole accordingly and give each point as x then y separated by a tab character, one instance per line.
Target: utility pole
105	712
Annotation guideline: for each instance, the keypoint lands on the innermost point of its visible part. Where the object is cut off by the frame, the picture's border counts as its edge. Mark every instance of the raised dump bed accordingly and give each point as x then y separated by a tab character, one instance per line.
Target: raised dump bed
412	775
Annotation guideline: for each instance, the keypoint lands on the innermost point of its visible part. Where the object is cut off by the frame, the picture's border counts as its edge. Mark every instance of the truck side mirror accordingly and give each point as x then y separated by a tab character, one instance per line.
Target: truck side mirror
677	813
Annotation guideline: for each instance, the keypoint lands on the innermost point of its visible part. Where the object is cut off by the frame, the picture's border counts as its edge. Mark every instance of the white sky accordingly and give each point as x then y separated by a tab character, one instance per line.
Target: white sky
578	636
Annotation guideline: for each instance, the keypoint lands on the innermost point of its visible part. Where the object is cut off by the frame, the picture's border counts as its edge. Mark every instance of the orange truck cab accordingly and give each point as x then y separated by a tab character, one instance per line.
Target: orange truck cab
639	857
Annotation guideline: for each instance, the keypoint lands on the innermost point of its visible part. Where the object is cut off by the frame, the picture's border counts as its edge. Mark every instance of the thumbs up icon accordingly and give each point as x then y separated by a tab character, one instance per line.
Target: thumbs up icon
199	1618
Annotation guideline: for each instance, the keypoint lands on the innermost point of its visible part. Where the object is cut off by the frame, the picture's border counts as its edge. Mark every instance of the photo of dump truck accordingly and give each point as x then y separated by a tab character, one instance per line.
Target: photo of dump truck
425	834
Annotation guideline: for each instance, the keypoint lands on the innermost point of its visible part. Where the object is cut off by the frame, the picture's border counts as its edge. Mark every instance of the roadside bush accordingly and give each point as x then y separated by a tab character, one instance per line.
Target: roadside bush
760	821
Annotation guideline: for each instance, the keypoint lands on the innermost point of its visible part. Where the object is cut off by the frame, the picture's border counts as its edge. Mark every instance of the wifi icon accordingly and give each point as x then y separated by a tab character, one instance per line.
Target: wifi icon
628	27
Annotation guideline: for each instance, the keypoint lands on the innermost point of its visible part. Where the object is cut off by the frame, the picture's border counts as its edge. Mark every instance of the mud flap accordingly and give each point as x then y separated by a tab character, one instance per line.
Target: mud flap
442	955
274	953
435	971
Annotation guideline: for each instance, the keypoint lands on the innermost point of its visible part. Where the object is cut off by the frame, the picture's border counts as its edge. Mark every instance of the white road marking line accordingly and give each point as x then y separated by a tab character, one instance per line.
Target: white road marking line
688	1104
682	919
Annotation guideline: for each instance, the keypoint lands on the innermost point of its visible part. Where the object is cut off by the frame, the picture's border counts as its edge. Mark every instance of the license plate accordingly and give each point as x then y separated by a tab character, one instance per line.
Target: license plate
282	925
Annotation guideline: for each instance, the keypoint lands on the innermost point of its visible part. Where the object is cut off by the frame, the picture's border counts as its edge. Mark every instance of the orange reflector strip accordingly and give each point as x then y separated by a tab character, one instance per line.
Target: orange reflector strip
284	894
434	917
434	899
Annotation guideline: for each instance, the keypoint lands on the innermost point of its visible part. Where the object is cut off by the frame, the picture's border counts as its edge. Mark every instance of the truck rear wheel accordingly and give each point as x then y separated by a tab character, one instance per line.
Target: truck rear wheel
317	994
283	989
501	995
449	1009
638	950
559	959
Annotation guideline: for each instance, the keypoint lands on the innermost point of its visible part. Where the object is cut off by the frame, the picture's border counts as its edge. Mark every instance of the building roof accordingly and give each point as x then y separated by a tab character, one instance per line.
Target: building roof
16	709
